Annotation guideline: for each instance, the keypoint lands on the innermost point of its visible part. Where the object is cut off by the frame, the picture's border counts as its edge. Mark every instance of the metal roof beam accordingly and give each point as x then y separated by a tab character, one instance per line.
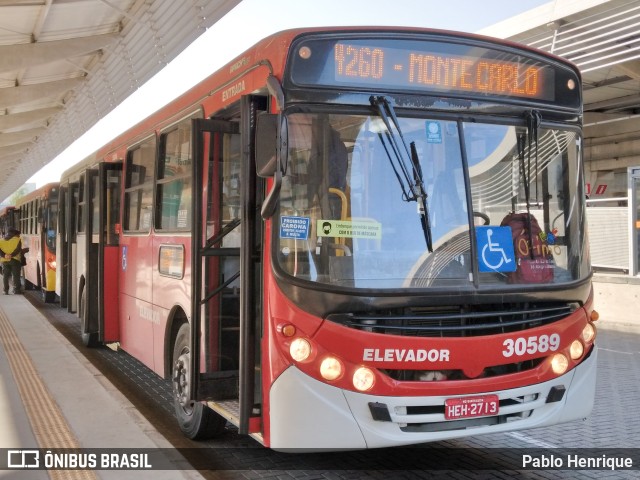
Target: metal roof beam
631	68
25	55
5	160
24	120
17	138
606	83
10	97
13	149
628	101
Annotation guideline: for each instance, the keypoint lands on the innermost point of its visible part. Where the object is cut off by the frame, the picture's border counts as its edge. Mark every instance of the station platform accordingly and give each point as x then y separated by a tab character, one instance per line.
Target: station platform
51	397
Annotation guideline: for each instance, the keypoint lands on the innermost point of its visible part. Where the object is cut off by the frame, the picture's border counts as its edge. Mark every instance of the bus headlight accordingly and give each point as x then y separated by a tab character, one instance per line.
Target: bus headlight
559	363
331	368
576	350
589	333
363	379
300	349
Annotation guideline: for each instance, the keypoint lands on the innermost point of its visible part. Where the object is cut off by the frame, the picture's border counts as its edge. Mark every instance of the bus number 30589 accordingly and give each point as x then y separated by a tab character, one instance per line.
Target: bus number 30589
521	345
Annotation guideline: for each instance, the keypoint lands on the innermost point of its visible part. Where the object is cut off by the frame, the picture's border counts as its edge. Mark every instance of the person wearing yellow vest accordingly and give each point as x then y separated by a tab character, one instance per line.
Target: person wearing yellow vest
11	251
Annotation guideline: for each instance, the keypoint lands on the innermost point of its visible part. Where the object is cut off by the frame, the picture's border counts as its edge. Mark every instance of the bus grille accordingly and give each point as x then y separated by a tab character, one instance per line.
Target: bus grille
456	321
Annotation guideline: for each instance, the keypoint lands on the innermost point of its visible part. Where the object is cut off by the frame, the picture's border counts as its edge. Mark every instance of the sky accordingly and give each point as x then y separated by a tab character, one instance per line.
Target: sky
258	19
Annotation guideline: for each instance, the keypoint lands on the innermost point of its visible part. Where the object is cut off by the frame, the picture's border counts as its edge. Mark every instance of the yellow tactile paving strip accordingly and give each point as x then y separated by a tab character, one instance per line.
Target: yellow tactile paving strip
49	425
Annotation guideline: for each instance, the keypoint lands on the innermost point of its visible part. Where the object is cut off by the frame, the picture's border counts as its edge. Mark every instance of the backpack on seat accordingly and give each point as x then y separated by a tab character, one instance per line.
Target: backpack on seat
533	256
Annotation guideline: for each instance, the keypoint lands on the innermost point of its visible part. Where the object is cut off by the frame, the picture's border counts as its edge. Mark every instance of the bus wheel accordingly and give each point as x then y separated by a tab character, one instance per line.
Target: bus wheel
48	297
88	339
196	420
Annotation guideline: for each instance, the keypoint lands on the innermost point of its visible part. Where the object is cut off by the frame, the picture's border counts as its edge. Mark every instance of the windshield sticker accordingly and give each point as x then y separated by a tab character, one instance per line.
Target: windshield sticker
349	229
434	133
296	228
495	249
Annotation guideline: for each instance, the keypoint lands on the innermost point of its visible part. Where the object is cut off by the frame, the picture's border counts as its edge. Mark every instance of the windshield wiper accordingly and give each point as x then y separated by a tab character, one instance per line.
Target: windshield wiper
409	175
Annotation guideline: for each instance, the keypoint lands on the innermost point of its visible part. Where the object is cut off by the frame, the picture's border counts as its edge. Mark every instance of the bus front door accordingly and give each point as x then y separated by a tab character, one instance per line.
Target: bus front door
224	271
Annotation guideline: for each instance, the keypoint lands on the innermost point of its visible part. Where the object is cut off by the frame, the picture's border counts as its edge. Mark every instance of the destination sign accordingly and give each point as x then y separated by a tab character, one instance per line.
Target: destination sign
441	72
427	66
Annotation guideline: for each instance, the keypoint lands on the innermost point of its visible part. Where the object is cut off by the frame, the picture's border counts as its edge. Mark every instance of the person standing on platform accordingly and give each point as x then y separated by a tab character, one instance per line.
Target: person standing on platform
11	251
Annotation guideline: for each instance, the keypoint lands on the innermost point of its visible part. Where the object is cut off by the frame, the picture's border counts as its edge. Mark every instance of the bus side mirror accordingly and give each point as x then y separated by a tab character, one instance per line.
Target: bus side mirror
271	155
266	144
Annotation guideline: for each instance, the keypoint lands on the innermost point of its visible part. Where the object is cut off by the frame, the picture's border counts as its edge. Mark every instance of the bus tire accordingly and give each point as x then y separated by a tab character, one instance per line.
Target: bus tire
48	297
88	339
196	420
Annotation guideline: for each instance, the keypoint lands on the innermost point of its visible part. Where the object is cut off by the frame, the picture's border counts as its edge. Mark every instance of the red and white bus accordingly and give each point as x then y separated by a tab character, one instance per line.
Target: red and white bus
38	213
317	242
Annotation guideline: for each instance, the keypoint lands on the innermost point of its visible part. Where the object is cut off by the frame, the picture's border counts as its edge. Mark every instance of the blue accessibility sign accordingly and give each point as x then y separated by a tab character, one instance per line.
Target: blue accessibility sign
495	249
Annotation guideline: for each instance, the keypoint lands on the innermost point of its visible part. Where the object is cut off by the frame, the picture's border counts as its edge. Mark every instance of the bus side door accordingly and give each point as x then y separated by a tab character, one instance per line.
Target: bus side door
110	181
99	300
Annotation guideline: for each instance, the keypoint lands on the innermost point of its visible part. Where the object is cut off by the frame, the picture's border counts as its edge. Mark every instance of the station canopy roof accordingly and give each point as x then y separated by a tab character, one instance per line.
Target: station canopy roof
602	37
65	64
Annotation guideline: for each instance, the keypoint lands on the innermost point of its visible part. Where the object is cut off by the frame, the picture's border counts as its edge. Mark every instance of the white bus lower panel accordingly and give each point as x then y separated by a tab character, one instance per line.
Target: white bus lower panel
311	415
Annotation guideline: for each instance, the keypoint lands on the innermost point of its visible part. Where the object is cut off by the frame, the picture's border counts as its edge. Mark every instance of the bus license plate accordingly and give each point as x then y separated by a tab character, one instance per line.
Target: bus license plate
467	407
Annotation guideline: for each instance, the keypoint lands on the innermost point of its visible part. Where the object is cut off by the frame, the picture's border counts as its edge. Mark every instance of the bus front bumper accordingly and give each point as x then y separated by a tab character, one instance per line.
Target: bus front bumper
308	415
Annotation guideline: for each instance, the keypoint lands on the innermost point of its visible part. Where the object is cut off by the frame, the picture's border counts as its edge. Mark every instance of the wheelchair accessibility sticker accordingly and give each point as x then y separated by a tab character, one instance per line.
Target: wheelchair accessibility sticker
495	249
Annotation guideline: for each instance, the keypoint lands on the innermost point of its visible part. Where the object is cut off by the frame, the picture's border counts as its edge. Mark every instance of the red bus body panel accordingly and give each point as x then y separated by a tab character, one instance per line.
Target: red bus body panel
110	299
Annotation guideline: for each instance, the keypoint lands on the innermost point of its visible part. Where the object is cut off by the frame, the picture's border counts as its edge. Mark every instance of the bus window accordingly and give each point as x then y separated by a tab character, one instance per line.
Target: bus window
81	204
95	208
113	206
174	180
139	187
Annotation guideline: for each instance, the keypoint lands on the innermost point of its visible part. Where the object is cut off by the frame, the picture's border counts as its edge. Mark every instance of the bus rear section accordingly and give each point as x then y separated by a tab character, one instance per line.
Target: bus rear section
38	212
9	218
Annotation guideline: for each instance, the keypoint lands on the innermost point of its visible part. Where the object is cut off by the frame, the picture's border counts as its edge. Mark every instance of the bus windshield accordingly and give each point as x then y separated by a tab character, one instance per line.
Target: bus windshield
347	221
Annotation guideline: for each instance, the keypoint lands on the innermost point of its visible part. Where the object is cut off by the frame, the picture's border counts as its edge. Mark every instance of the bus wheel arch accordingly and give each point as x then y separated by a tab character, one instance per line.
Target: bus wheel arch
196	420
177	317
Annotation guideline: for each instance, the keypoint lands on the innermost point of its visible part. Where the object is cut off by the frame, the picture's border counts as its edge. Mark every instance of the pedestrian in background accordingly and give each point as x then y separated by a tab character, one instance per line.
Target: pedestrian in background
11	250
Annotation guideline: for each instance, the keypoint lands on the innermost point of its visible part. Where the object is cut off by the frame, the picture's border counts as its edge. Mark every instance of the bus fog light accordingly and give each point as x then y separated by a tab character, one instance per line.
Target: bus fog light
559	363
363	379
589	333
331	368
300	349
576	350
